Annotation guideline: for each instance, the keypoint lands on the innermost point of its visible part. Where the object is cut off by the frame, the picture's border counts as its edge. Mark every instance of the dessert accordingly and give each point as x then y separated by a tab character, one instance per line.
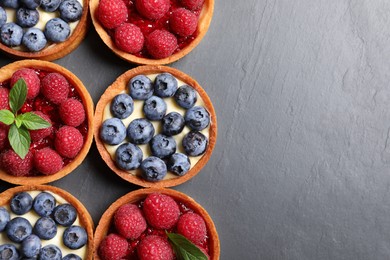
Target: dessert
145	218
146	130
151	32
54	222
58	148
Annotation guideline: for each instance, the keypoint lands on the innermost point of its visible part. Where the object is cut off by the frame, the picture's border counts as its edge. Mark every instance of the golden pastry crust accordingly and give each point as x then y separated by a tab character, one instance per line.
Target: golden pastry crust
135	196
6	73
118	86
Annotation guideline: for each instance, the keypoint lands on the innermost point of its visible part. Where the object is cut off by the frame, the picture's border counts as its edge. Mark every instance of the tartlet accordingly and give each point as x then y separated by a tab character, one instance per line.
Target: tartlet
120	86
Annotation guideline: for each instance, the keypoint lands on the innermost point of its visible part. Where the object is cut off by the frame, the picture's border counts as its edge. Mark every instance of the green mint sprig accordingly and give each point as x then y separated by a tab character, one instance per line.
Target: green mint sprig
18	135
185	249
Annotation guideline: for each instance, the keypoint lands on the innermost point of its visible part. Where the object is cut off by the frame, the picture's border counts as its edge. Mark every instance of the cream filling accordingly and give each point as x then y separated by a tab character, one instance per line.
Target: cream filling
138	113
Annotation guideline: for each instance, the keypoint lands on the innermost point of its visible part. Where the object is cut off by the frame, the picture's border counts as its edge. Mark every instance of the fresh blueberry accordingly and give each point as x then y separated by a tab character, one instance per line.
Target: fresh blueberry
75	237
57	30
128	156
163	146
186	96
172	124
11	34
10	3
153	169
3	16
31	4
50	252
21	203
34	39
50	5
140	131
165	85
197	118
27	17
45	228
194	143
113	131
122	106
140	87
179	163
71	257
31	246
44	204
9	252
18	229
64	215
70	10
154	108
4	218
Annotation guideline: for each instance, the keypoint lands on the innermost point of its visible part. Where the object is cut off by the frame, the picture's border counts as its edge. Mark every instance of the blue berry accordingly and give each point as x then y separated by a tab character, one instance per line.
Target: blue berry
140	131
179	164
194	143
186	96
75	237
27	17
64	215
9	252
153	169
70	10
11	34
45	228
44	204
34	39
113	131
172	124
128	156
71	257
50	5
163	146
10	3
165	85
50	252
122	106
154	108
57	30
140	87
31	4
3	16
18	229
21	203
31	246
4	218
197	118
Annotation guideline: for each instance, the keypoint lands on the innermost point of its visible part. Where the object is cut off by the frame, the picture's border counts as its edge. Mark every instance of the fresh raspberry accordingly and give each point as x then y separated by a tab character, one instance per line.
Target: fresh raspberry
161	44
68	141
55	87
192	4
154	248
14	165
32	81
183	22
193	227
161	211
112	13
3	135
129	221
39	134
4	101
129	38
72	112
113	247
152	9
204	252
47	161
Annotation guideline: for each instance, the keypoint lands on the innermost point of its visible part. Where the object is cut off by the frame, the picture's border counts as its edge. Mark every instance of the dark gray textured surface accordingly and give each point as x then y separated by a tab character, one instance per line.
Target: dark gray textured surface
301	90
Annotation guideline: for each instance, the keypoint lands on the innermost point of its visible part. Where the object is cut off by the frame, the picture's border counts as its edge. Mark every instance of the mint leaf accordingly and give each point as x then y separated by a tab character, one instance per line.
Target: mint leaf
185	249
33	122
18	121
17	95
19	138
6	117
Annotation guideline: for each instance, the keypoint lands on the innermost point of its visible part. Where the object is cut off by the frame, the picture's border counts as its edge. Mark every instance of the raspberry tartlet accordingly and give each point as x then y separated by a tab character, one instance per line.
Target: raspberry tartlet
155	126
52	220
53	93
136	223
151	32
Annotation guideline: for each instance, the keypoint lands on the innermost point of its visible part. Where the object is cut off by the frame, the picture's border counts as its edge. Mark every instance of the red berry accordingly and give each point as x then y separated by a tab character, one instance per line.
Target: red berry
161	211
32	81
154	248
161	44
47	161
129	38
4	102
39	134
204	252
129	221
183	22
192	4
113	247
55	87
68	141
14	165
193	227
3	135
72	112
112	13
152	9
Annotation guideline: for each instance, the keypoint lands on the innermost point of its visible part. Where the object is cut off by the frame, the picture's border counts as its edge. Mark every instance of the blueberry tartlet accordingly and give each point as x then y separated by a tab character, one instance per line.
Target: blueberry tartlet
155	126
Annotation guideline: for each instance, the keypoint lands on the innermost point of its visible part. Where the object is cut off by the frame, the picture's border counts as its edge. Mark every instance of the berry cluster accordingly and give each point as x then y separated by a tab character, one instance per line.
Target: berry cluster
139	229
